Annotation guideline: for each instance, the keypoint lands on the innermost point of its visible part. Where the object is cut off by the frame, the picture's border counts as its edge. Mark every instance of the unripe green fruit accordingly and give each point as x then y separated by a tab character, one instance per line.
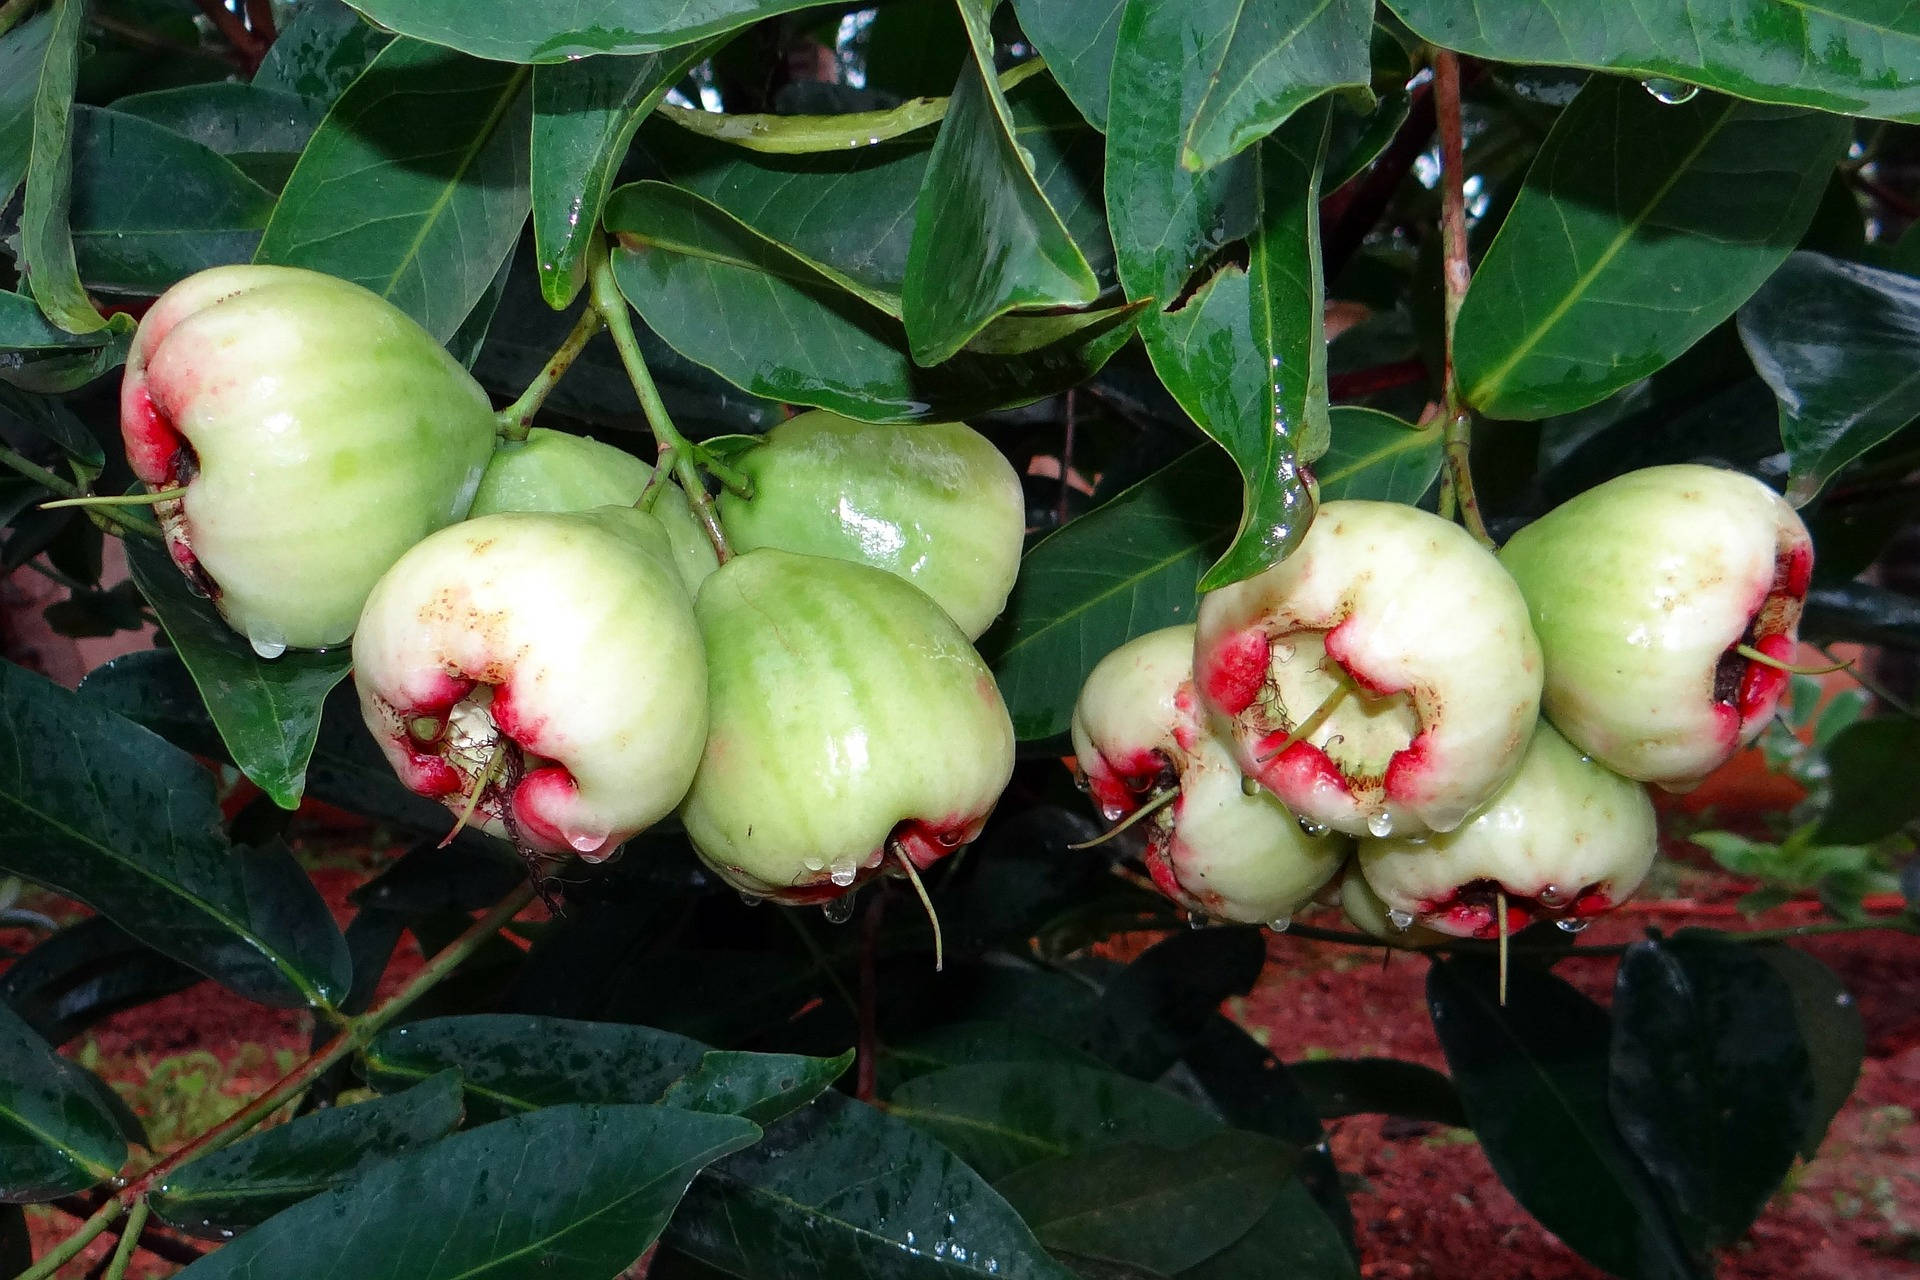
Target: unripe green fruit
850	716
1566	838
1135	720
566	641
934	503
1365	912
1411	639
1640	589
555	471
318	432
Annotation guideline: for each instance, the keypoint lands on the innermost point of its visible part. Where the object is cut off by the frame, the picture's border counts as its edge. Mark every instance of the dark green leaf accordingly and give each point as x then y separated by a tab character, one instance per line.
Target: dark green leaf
1532	1075
1154	1009
573	1193
1378	1086
1831	1030
1124	569
1861	612
1872	766
320	51
37	355
1149	1207
985	240
415	185
470	338
267	709
46	245
1295	1239
85	972
1839	343
840	1189
22	53
241	1186
956	1044
1002	1116
1857	57
57	1133
230	118
16	1242
511	31
1378	456
51	420
1710	1083
770	322
1277	56
106	812
1077	39
1640	228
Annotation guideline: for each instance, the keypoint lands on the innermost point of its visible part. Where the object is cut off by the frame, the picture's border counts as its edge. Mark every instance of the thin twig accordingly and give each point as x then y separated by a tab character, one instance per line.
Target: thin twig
134	33
152	1238
866	1047
129	1241
1358	205
234	30
1456	275
1066	460
517	418
66	488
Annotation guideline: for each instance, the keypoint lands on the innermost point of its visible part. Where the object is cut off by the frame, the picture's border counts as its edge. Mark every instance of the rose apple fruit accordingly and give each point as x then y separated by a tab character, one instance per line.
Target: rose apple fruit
555	471
1566	838
551	663
317	431
1644	590
1365	912
850	718
934	503
1383	678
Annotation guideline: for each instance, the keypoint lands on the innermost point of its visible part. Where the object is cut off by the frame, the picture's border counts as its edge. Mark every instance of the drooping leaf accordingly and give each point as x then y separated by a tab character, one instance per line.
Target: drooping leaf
569	1192
1854	57
104	811
806	1200
1122	570
85	972
57	1133
1377	456
1154	1009
23	51
1869	761
266	709
1278	56
50	420
1641	227
955	1044
1861	612
510	31
1077	38
231	118
243	1185
1831	1030
37	355
46	245
320	51
415	185
1379	1086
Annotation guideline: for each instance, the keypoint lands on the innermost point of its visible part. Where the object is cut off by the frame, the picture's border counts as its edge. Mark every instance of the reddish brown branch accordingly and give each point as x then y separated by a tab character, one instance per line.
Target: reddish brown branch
260	20
231	27
1350	212
1360	383
866	1067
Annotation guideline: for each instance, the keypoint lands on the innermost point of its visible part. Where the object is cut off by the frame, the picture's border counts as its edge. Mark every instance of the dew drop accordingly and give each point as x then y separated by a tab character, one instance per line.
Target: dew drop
843	873
750	899
1195	920
1671	92
269	643
1380	824
1249	785
1280	924
1571	925
838	910
1551	897
1315	829
1401	920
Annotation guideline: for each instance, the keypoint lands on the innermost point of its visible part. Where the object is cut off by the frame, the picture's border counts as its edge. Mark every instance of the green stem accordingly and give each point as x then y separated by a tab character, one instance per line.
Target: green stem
129	1241
11	12
69	1249
517	418
674	449
1456	275
67	488
117	499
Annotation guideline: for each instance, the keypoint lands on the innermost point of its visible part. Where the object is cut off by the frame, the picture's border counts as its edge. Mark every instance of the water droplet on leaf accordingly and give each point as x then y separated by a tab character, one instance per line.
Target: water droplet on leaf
1671	92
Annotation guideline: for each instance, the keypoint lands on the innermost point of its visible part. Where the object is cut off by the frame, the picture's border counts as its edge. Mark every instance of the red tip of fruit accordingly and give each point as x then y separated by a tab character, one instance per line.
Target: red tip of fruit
1410	770
154	448
426	774
1159	862
539	805
1233	671
1299	771
925	842
1796	574
514	723
1336	642
1761	686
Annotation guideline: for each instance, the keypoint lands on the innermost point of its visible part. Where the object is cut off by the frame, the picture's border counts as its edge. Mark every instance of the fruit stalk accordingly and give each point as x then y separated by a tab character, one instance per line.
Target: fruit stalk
1456	275
517	418
67	489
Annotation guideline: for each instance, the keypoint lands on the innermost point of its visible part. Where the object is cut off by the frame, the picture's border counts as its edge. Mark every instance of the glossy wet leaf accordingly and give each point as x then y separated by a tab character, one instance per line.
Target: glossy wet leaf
266	709
1863	612
1340	1087
1126	568
1077	38
52	420
319	52
230	118
46	245
510	31
773	324
102	810
985	239
1870	800
1377	456
1850	56
1163	1210
806	1201
1710	1082
1153	1010
1839	344
57	1133
415	185
37	355
23	51
511	1062
1533	1078
243	1185
570	1192
1277	56
955	1044
87	971
1641	226
1830	1028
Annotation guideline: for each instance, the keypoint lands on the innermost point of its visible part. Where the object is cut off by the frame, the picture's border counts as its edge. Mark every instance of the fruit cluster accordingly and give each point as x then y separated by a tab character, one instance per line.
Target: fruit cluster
1465	733
544	637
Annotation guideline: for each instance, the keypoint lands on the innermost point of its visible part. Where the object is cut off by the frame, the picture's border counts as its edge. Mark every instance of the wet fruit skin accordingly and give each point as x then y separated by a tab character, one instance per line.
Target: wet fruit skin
1429	636
1365	912
934	503
319	433
556	471
1639	590
1566	838
849	715
569	634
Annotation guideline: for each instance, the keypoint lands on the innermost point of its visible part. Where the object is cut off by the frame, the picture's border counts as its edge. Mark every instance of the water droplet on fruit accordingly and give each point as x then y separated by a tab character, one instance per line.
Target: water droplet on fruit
843	873
1280	924
1401	920
750	899
1195	920
269	643
1249	785
1380	824
1315	829
1571	925
1671	92
838	910
1551	897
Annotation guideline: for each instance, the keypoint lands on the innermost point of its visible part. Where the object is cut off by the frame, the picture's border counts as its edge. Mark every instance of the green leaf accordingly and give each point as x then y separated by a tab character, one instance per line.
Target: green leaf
1122	570
1839	344
243	1185
57	1133
1710	1083
1295	1238
840	1189
512	1062
584	117
1641	226
956	1044
1377	456
230	118
1149	1207
1532	1075
1278	55
37	355
22	53
1003	1116
1871	766
320	52
85	972
46	246
51	420
512	31
572	1193
1153	1011
105	812
415	185
1861	612
772	323
151	207
985	240
1854	57
1340	1087
1830	1028
1077	38
267	709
